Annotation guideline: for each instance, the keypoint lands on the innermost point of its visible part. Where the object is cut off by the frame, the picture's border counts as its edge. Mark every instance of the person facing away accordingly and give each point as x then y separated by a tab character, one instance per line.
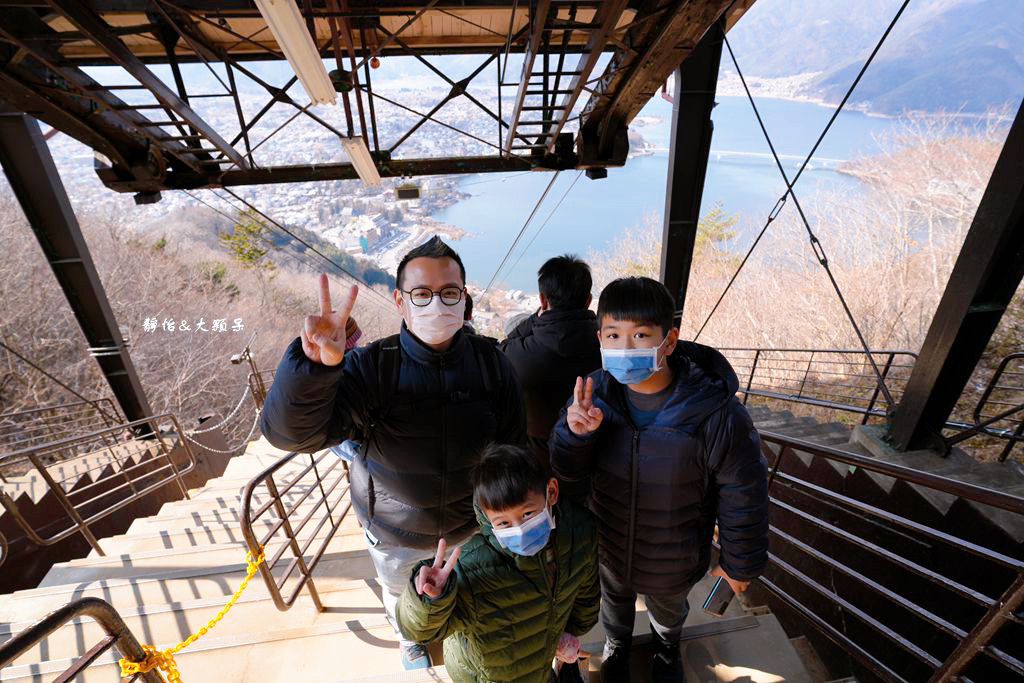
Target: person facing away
554	346
669	450
467	315
525	587
422	403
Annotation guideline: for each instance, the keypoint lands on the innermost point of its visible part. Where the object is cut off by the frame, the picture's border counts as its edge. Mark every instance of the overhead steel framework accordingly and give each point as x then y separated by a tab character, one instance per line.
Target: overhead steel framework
587	66
164	143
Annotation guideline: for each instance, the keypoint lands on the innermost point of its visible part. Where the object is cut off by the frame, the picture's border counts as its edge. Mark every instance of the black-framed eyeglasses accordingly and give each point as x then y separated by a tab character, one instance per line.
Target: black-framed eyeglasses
422	296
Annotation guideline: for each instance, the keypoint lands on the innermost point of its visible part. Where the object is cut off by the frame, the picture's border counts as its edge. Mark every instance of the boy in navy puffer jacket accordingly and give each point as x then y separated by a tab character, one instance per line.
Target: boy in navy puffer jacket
669	451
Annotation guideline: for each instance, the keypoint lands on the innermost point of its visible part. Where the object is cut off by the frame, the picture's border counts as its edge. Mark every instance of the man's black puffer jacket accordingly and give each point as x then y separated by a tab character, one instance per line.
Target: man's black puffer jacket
411	484
549	352
657	492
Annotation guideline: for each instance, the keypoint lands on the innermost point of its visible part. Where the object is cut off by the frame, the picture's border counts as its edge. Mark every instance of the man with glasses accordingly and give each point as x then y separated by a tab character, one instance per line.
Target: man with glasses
423	402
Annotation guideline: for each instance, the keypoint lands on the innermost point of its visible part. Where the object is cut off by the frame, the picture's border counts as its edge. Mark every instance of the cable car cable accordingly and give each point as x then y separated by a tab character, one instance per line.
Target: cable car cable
307	244
529	218
789	185
541	228
816	244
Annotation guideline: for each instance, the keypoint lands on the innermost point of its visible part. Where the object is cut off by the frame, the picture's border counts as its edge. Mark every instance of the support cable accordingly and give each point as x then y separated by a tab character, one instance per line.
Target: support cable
309	246
298	259
541	228
789	185
522	230
816	245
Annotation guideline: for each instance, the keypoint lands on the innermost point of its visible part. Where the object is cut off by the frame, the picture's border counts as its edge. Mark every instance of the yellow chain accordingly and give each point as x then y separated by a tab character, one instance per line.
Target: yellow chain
164	660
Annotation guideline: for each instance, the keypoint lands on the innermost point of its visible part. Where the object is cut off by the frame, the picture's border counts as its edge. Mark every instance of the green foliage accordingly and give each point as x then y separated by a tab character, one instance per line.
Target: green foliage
160	243
364	271
715	227
247	242
213	277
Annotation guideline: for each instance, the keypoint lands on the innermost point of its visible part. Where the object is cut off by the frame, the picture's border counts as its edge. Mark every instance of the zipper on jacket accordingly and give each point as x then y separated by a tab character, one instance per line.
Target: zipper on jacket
444	460
634	466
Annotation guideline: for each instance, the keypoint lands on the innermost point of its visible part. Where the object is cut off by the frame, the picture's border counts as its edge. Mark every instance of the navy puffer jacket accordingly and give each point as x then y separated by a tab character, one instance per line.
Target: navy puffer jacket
411	484
658	491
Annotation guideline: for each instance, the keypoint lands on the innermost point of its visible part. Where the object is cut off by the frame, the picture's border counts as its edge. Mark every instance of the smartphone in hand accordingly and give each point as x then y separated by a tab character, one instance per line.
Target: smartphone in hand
719	597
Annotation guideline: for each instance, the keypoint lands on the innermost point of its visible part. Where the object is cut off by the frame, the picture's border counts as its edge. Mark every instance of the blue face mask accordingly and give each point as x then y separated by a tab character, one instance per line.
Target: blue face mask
631	366
530	537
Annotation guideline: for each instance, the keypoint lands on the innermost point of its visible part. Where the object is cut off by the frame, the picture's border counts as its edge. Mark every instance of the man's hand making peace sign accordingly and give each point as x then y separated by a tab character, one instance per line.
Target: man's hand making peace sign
323	336
431	580
583	416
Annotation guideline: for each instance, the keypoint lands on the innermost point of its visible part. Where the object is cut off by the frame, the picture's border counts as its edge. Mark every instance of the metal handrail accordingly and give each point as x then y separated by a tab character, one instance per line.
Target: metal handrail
1013	435
811	378
84	513
258	385
23	428
118	636
799	379
317	481
973	641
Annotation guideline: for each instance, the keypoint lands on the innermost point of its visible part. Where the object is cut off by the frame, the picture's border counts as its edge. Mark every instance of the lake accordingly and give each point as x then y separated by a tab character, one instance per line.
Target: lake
740	175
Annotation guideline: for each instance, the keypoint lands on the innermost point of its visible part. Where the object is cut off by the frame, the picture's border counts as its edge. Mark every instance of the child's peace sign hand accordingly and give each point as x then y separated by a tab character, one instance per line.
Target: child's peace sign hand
431	580
583	416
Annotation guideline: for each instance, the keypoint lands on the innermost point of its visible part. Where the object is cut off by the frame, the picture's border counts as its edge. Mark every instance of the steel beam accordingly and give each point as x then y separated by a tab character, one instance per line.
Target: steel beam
986	275
539	19
696	81
91	24
33	176
654	50
396	168
607	16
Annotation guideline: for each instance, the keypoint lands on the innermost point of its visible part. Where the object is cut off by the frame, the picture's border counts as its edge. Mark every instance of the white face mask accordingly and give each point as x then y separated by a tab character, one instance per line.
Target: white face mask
435	323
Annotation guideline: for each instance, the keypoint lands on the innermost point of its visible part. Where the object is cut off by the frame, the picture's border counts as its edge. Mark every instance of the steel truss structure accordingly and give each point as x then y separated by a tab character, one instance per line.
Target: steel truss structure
166	144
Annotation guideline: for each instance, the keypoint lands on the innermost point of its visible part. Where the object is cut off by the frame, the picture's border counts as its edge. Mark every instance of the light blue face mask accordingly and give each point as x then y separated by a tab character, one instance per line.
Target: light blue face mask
530	537
631	366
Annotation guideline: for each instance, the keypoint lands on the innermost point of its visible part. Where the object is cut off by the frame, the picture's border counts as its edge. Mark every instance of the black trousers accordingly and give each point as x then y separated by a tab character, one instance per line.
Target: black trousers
618	610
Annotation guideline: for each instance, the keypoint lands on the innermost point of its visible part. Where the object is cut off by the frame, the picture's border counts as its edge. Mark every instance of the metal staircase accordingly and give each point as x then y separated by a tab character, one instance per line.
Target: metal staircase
171	572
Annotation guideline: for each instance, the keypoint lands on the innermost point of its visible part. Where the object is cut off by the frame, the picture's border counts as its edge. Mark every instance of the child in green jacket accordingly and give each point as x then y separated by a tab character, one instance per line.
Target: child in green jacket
525	587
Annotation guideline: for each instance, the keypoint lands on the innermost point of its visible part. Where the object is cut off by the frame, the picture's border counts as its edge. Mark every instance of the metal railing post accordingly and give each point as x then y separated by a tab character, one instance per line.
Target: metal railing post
183	442
294	543
1012	443
807	370
65	503
878	388
750	380
118	636
997	615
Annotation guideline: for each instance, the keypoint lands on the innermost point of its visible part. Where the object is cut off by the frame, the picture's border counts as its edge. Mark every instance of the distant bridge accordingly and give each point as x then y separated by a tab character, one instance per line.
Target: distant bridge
723	153
821	161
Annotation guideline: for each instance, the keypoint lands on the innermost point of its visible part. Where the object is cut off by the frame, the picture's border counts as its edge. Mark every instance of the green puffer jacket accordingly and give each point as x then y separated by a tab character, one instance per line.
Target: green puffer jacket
499	612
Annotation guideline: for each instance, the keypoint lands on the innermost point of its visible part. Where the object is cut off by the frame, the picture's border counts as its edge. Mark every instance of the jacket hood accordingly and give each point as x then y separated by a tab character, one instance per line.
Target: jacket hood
566	332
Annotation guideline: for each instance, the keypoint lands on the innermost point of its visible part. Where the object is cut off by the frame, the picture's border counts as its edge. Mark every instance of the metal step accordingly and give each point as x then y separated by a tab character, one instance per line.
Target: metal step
149	564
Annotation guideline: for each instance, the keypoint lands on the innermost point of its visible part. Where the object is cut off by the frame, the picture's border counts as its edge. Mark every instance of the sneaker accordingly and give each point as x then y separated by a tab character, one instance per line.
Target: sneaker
615	662
667	666
415	656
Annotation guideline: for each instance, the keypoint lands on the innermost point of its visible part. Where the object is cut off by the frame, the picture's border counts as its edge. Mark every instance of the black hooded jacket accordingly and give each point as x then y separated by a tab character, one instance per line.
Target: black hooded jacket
549	352
658	491
411	483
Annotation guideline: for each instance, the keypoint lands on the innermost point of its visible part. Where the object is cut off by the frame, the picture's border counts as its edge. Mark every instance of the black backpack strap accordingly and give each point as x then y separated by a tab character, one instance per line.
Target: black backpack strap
387	359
